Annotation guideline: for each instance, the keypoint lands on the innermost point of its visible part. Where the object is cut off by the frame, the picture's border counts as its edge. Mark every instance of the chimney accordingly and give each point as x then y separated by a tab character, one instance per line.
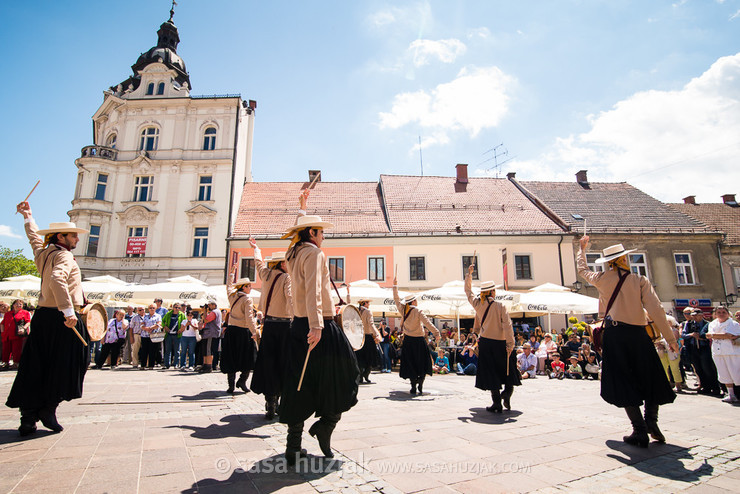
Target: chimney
312	174
689	200
462	173
582	177
511	175
729	199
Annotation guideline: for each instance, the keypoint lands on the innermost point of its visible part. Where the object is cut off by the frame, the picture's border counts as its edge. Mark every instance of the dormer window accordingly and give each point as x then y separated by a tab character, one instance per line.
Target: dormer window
209	139
150	89
160	88
149	139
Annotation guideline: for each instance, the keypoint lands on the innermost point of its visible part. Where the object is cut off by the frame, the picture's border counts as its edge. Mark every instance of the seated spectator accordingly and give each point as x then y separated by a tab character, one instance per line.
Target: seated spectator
557	366
539	333
468	364
441	364
544	354
573	344
574	370
592	367
534	343
527	362
519	339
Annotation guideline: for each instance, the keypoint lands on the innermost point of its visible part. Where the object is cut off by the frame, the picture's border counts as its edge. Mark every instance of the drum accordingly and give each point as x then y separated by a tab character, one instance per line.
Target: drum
96	320
351	323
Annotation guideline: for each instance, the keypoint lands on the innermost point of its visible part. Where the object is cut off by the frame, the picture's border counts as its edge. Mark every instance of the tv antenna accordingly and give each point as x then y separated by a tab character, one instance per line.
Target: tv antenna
498	152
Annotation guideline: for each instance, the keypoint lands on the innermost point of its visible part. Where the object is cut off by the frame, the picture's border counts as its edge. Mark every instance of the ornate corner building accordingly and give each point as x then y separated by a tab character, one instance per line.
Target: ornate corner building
160	186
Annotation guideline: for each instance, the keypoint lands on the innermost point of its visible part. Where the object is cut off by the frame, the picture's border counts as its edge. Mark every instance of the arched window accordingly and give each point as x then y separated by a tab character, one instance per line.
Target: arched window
149	139
209	139
160	88
111	141
150	89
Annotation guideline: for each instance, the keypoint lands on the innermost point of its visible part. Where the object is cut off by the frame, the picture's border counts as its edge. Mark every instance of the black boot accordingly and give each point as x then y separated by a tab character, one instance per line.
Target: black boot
48	417
28	422
207	368
270	407
651	421
366	376
242	382
322	429
413	387
231	377
293	449
421	385
506	395
639	435
496	406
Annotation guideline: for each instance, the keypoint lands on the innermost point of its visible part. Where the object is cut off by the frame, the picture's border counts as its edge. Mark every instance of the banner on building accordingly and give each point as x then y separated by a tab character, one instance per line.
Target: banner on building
136	245
506	269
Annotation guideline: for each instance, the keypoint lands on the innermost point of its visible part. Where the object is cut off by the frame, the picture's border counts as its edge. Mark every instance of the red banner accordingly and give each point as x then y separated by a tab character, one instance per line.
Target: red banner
506	269
136	245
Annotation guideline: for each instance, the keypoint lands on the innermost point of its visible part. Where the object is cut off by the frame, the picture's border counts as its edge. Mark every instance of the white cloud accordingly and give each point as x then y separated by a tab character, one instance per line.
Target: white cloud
415	17
476	99
480	32
445	50
668	143
6	231
735	15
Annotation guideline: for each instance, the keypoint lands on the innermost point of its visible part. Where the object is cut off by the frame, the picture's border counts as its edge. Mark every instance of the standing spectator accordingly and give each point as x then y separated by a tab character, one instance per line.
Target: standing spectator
703	356
158	346
724	333
16	326
188	339
126	350
114	337
385	346
527	362
148	352
171	322
3	309
134	335
211	326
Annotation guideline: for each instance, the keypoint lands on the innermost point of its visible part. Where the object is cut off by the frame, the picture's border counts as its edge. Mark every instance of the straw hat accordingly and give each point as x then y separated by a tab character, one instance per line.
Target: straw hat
408	299
62	227
613	252
276	257
489	285
307	221
242	281
363	299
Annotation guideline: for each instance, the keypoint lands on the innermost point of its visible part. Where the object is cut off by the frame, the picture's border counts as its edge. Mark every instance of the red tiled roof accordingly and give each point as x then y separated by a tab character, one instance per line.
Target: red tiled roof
611	207
718	216
487	205
270	208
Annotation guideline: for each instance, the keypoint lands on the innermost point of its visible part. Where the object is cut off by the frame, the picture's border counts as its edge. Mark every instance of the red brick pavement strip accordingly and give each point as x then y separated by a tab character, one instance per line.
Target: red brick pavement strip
163	431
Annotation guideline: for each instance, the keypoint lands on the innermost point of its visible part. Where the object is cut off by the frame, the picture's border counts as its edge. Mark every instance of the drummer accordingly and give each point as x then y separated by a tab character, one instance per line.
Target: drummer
368	356
416	362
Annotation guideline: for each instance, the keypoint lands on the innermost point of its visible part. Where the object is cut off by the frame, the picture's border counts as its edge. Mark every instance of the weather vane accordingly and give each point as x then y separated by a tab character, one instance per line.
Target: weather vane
172	10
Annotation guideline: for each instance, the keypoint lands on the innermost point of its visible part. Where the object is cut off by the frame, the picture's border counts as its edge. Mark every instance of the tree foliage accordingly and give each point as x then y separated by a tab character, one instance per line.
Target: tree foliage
14	263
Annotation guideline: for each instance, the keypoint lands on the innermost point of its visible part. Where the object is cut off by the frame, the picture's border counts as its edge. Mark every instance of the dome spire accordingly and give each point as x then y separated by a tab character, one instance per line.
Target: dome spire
172	10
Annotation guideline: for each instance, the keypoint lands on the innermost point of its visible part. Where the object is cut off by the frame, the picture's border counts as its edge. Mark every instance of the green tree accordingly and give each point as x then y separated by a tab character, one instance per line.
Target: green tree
14	263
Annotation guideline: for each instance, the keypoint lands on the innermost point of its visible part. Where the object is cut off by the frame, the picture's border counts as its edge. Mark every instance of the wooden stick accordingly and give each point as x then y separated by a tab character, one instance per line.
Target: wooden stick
508	354
303	372
29	194
395	276
77	332
314	180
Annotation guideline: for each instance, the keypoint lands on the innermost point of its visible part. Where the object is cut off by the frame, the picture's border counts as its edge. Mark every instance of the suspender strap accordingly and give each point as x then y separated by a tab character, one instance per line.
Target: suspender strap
269	294
485	314
622	277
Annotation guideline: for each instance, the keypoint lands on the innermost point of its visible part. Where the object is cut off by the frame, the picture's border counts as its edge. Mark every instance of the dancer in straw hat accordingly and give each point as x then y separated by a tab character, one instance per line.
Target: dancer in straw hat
55	359
496	360
276	305
631	370
238	348
368	356
416	362
315	344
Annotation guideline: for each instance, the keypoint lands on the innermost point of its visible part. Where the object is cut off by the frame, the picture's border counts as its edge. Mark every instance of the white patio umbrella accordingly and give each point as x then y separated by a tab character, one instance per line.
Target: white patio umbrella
102	289
25	287
381	299
219	295
450	300
184	289
550	298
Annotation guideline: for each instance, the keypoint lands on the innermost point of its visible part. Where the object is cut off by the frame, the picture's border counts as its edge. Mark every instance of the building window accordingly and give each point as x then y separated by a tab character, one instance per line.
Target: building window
592	265
200	242
684	268
160	88
466	262
248	269
136	241
93	239
737	280
416	269
336	268
78	190
638	264
204	188
150	89
376	268
111	141
143	186
523	267
149	139
209	139
100	186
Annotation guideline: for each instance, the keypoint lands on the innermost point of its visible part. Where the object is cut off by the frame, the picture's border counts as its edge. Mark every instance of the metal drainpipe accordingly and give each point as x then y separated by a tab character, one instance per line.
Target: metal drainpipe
722	271
560	260
231	193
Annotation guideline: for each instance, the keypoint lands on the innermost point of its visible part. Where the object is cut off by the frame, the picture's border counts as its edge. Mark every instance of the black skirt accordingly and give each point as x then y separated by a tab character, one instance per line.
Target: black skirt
491	373
53	363
416	359
270	365
332	376
237	350
367	356
631	371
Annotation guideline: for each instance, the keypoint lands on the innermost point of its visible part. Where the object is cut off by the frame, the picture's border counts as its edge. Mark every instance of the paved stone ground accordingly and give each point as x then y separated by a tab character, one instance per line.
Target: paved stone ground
166	431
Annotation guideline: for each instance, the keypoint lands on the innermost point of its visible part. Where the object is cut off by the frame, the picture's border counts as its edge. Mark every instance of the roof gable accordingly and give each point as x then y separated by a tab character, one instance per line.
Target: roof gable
717	216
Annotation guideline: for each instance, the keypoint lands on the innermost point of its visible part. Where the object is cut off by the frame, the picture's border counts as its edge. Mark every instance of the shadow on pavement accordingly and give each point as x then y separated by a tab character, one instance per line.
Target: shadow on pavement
405	396
483	416
269	475
668	467
206	395
11	436
234	426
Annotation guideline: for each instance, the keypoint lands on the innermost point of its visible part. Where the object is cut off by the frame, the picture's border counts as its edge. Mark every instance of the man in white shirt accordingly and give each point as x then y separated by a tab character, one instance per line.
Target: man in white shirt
527	362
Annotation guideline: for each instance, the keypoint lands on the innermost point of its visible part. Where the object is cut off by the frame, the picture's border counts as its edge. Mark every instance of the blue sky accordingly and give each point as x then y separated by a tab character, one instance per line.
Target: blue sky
646	92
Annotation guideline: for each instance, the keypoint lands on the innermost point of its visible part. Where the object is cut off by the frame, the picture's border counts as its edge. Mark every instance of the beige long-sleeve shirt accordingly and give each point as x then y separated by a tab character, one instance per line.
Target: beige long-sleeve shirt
241	313
497	324
61	280
415	321
368	324
636	293
311	285
281	303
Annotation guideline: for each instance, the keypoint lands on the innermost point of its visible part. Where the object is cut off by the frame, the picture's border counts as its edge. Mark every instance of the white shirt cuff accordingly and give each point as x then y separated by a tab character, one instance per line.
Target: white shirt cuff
257	252
68	312
27	220
302	212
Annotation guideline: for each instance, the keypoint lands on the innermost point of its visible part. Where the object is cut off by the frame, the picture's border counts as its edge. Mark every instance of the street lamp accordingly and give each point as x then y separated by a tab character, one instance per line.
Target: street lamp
577	285
731	298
